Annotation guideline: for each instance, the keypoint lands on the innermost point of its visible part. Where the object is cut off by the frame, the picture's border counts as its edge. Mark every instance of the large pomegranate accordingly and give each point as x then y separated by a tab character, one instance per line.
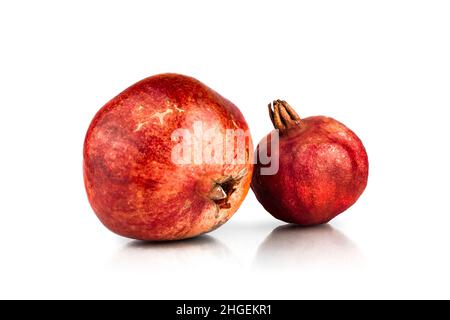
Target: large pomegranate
323	168
152	172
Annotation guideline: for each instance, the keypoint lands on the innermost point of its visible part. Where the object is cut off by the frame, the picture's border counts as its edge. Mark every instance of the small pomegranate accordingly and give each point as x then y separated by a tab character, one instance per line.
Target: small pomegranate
323	168
150	170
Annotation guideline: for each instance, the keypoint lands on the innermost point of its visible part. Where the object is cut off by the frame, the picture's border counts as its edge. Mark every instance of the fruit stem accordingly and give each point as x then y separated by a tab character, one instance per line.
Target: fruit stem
283	116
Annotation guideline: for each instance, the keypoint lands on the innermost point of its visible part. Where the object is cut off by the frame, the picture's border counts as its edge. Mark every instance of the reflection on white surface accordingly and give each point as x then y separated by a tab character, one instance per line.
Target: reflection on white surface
320	247
204	252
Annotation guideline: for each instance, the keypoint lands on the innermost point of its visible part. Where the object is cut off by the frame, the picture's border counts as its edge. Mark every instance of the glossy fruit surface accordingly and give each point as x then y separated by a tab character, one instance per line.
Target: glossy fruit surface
323	168
134	181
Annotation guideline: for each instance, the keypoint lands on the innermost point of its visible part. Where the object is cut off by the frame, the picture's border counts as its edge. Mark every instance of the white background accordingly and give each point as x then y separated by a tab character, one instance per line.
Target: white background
381	67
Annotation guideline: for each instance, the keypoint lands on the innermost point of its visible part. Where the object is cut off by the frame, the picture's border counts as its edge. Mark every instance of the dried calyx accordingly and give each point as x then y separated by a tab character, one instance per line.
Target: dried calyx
224	188
283	116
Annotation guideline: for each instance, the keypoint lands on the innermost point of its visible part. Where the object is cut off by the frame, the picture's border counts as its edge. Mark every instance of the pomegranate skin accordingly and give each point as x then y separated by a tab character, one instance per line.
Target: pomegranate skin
323	169
131	180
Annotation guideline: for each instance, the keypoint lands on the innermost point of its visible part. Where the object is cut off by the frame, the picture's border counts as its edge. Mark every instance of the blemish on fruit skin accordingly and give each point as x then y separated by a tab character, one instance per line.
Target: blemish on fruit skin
161	115
177	108
174	105
187	204
139	126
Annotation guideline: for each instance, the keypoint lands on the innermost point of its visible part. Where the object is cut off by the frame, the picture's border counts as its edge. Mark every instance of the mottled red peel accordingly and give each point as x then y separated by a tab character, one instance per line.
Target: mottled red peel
131	182
323	168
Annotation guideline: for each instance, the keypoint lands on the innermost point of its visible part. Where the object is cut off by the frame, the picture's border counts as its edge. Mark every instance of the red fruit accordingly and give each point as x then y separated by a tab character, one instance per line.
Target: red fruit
133	183
323	168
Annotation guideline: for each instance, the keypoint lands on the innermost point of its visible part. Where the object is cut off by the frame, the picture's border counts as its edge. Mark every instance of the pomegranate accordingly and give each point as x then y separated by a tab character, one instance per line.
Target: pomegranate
322	168
152	172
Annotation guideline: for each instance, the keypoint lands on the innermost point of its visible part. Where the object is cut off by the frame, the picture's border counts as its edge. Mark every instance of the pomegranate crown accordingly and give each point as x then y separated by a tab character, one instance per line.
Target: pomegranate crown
283	116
